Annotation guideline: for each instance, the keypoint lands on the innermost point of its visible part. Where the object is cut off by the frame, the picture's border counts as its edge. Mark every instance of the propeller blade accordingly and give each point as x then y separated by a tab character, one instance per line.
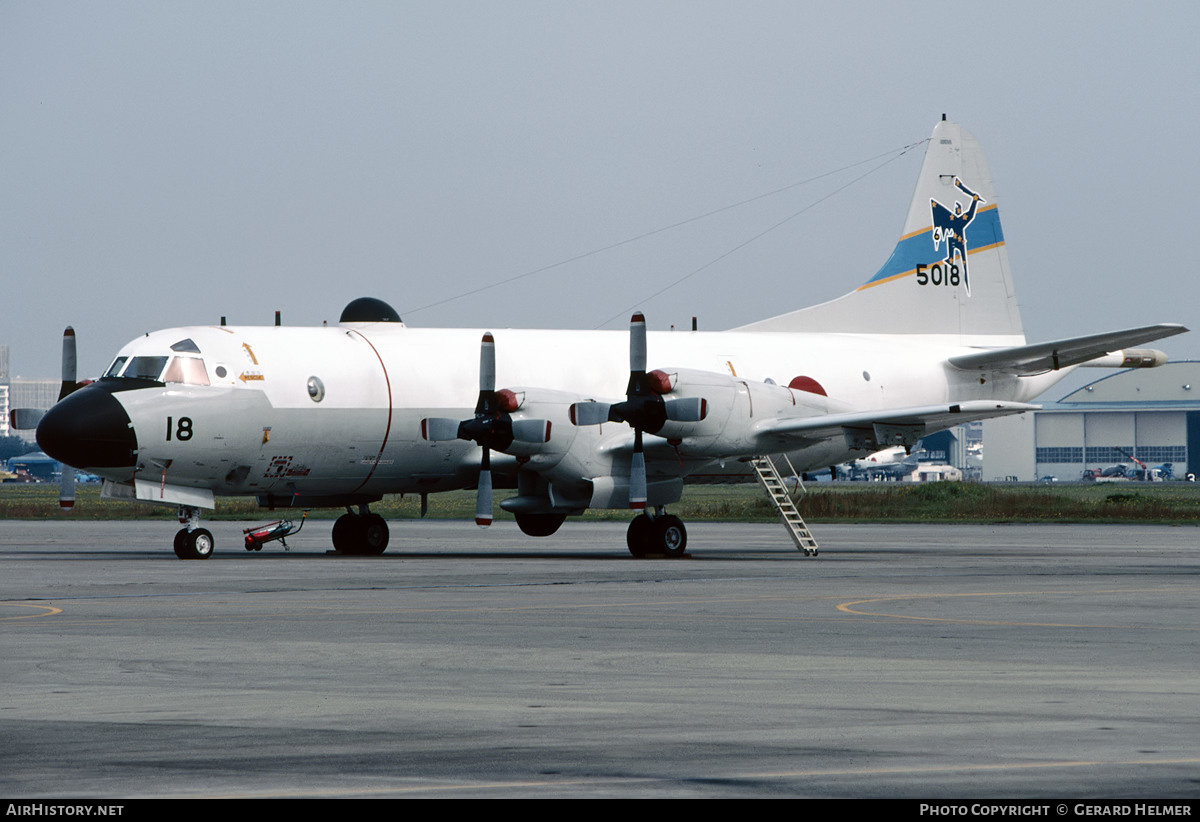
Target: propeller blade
487	363
637	475
70	375
589	412
637	343
69	364
686	409
439	429
531	430
25	419
483	497
66	488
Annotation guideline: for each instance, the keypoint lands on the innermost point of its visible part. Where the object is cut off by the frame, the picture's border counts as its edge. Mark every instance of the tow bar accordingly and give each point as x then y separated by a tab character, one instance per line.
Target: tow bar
256	538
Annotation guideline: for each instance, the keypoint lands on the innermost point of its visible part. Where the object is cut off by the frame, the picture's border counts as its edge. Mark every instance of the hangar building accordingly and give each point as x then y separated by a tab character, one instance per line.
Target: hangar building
1150	413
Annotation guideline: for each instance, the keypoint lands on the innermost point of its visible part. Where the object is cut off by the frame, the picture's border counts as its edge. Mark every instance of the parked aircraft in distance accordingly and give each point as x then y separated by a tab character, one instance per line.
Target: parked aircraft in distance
890	462
339	416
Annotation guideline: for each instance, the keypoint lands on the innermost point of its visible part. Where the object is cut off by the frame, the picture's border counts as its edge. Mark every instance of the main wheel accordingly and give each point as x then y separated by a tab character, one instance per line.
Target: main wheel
640	536
539	525
345	533
669	535
373	531
360	535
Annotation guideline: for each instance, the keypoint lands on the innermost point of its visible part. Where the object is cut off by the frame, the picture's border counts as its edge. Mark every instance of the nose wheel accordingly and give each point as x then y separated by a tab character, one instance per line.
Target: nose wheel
195	544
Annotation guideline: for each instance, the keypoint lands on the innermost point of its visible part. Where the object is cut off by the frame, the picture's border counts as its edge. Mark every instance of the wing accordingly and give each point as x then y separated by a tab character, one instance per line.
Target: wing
880	429
860	430
1047	356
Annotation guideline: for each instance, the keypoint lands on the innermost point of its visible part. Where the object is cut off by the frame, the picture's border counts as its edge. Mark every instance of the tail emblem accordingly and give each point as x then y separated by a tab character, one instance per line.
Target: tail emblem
951	226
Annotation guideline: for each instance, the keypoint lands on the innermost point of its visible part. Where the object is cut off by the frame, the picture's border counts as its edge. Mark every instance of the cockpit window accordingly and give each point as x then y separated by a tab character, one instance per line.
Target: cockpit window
115	368
146	368
187	370
186	346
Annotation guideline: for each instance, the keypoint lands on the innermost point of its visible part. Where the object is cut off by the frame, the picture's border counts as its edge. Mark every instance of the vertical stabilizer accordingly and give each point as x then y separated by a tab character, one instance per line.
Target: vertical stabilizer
949	272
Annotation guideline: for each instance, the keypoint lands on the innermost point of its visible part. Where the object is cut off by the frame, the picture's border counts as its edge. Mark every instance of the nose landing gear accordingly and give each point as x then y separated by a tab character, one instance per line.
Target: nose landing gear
192	542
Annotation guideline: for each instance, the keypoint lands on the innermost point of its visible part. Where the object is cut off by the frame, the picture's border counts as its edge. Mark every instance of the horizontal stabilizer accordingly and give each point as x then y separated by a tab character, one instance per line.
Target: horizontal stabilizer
1051	356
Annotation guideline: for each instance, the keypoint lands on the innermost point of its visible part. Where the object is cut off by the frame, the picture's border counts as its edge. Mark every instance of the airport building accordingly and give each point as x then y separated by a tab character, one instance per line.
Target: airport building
4	403
18	392
1147	415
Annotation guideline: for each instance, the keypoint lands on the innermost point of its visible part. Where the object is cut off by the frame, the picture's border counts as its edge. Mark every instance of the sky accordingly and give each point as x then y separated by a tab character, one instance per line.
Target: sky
521	164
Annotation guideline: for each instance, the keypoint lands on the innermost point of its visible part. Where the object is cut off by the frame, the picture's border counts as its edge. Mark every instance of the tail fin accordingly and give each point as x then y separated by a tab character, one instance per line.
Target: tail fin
949	272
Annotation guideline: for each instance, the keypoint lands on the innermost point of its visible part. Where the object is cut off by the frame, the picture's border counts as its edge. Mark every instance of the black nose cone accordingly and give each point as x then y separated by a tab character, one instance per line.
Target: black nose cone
88	429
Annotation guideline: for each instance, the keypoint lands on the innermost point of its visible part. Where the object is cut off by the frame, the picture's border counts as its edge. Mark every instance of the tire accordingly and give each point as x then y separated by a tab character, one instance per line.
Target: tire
640	536
196	544
180	548
360	535
345	539
373	535
670	536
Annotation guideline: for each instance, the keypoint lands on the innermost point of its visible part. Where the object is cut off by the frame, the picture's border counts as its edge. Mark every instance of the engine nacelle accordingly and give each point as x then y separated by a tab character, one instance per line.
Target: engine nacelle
734	407
542	428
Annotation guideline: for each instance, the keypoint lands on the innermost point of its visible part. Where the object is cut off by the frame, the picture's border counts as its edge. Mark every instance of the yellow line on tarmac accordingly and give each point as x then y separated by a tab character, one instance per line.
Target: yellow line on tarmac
46	610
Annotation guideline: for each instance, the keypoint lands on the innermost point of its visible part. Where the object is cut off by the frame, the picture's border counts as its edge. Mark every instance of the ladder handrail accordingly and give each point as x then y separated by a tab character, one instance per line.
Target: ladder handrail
795	474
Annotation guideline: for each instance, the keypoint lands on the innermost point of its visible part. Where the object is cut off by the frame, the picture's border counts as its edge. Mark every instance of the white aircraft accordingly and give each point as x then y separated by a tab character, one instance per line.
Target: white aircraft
892	461
339	416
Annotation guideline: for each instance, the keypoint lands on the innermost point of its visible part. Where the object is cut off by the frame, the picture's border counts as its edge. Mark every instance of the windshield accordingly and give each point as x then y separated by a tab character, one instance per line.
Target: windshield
187	370
115	369
146	368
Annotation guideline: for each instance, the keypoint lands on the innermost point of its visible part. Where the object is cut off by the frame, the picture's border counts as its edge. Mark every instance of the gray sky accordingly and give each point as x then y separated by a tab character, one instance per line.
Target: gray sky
167	163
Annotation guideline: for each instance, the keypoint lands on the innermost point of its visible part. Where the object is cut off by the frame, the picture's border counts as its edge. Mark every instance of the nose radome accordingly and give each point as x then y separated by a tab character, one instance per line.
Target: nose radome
88	429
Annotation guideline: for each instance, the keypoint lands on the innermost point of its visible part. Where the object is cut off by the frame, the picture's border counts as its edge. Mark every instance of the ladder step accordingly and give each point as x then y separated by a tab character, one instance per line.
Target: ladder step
772	482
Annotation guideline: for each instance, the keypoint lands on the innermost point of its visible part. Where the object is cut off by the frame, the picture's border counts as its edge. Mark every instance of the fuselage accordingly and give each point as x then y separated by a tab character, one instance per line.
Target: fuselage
284	411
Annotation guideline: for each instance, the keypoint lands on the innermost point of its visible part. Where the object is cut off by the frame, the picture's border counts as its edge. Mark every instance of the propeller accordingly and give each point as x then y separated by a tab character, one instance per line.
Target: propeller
643	408
492	427
27	419
70	367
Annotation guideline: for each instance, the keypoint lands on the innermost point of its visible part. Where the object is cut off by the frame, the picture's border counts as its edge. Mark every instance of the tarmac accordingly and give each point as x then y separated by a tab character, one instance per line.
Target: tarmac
906	661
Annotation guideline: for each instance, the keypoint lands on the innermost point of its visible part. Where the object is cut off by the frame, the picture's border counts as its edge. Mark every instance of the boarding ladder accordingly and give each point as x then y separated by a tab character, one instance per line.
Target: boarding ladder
770	479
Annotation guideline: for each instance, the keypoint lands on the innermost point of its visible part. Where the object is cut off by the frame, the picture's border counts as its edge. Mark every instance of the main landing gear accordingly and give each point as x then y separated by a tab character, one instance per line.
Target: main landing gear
361	534
660	534
192	542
